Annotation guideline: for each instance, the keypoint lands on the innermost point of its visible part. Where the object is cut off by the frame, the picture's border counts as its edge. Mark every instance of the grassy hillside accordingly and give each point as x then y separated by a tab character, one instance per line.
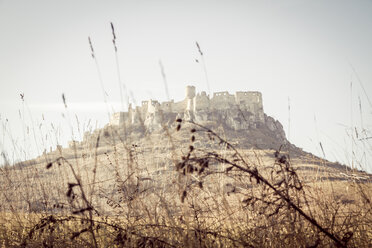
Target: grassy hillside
184	186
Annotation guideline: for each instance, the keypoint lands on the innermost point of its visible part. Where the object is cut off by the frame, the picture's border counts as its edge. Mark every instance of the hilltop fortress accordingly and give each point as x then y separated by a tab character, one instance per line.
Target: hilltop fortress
242	110
237	117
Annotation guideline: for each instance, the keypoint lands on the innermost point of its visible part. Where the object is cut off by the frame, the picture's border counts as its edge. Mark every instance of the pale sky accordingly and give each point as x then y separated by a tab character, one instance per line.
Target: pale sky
297	53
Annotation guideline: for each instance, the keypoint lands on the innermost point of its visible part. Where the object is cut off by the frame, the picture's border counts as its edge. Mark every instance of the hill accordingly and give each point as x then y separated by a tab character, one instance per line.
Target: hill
200	177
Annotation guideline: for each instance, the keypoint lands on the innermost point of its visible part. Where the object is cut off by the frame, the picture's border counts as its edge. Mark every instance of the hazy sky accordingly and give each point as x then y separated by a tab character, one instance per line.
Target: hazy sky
297	53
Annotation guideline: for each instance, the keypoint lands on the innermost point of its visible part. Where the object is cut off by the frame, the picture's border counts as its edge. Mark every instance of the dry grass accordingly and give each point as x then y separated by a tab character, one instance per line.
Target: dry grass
183	186
189	189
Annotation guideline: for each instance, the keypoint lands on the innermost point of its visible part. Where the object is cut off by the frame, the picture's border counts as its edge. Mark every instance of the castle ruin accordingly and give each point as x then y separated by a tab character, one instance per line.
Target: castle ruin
238	111
240	116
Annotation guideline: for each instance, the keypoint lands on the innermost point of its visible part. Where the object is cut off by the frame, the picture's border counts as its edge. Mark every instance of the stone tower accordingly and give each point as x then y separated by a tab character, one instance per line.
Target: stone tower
190	94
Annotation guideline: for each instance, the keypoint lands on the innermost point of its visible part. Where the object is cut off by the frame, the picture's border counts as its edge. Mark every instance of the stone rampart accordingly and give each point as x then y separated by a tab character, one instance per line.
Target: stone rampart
196	106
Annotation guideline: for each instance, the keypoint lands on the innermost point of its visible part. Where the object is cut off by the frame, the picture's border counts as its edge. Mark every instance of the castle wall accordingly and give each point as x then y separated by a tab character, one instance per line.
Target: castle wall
167	107
138	115
144	107
118	118
179	107
152	107
201	102
222	100
192	104
252	102
248	100
173	107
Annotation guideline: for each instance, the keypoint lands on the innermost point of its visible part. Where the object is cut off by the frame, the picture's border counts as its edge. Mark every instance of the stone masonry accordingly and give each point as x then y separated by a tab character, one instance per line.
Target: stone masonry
238	111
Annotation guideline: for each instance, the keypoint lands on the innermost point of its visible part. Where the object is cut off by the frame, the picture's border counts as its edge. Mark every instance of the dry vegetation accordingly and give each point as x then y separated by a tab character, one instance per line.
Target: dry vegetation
183	187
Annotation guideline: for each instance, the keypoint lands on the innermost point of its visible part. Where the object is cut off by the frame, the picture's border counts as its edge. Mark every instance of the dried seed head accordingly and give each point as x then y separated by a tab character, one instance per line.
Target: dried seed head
191	148
69	192
199	49
113	31
91	47
276	154
64	100
184	194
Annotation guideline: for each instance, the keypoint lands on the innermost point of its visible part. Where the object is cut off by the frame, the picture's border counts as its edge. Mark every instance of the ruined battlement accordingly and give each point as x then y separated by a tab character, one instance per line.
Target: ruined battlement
195	106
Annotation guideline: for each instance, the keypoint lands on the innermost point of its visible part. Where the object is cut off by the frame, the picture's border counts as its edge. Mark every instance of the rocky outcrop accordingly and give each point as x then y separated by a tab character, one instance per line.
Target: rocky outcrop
275	126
